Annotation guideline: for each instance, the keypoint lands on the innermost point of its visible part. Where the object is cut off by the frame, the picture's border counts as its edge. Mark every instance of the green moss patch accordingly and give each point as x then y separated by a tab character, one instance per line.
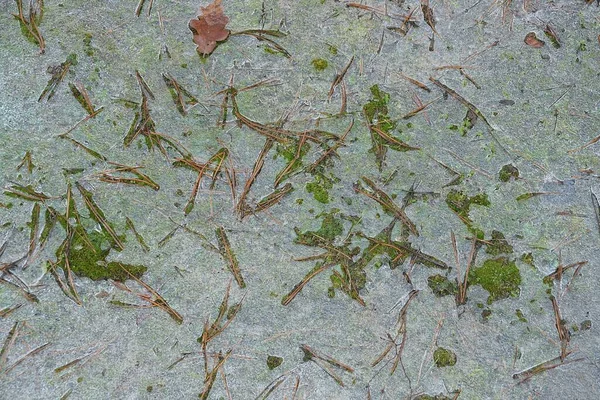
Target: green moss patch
274	362
381	126
319	64
294	158
331	227
508	171
87	258
498	245
444	358
461	203
441	286
520	315
320	187
500	277
431	397
527	258
87	44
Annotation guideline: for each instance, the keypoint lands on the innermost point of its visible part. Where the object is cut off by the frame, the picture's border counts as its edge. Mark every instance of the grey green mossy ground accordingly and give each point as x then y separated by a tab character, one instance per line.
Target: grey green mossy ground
437	124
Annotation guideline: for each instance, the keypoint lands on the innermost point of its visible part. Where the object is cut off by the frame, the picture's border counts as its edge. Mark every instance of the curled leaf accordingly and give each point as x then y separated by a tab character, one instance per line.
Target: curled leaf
532	40
209	27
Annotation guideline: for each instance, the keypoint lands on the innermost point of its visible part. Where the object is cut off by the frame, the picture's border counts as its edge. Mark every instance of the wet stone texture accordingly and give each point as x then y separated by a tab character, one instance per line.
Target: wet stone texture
308	199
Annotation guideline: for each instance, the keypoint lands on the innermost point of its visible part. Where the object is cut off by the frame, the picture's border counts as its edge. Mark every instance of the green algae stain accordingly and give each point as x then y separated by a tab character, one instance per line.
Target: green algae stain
444	358
463	128
500	277
460	203
441	286
319	64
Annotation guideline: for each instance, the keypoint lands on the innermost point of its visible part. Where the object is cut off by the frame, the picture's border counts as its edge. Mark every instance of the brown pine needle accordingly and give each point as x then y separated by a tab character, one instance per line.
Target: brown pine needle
325	362
524	376
415	82
6	311
563	333
287	299
97	214
31	25
339	77
25	356
154	298
268	201
419	109
81	95
241	206
27	162
229	256
8	343
386	202
588	144
139	237
140	179
214	165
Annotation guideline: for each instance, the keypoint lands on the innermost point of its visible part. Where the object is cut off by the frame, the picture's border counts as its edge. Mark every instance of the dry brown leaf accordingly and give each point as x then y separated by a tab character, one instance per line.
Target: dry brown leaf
209	27
532	40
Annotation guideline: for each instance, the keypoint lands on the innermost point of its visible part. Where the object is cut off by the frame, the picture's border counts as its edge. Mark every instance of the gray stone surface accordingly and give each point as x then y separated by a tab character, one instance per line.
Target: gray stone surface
540	103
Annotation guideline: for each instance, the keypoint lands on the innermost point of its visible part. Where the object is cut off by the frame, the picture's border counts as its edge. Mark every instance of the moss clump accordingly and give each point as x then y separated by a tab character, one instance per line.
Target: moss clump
520	315
500	277
290	151
508	171
460	203
498	245
274	362
319	64
444	358
441	286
